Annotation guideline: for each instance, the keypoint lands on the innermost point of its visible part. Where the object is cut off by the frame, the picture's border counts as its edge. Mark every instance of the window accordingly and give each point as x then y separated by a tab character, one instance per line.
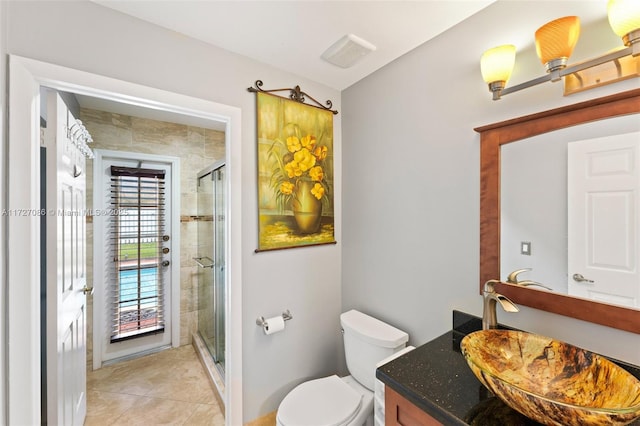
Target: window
137	199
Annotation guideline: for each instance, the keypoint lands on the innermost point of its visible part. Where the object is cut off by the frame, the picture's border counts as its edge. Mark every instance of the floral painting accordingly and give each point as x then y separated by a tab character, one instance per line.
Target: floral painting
295	173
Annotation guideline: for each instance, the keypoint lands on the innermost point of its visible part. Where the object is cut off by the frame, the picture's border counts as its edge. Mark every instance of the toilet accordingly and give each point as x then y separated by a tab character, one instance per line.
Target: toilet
345	401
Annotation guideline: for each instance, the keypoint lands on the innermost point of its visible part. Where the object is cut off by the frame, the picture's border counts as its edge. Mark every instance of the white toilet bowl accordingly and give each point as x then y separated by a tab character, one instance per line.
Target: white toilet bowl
329	401
346	401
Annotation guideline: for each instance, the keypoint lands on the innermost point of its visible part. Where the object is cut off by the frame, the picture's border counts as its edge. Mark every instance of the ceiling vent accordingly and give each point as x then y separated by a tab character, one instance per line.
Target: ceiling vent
345	52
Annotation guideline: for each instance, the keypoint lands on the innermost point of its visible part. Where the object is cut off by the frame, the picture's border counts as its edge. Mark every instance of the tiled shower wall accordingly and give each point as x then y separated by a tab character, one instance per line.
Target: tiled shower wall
197	148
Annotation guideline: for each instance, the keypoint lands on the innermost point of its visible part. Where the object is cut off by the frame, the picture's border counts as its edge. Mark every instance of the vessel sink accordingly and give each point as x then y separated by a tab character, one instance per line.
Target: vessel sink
552	382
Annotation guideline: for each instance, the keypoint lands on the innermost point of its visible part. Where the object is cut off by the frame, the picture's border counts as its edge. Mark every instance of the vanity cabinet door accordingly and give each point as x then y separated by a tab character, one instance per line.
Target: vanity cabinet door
400	412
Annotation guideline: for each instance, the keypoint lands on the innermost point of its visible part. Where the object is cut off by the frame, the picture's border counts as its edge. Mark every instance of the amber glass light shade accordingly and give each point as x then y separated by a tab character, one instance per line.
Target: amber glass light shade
555	40
624	16
497	64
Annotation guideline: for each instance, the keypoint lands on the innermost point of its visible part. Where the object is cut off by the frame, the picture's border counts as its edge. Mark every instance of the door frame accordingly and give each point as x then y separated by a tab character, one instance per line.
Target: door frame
23	231
99	296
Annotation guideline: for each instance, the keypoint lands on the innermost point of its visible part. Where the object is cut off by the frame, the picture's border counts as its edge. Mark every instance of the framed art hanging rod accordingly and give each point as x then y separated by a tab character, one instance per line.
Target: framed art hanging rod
295	94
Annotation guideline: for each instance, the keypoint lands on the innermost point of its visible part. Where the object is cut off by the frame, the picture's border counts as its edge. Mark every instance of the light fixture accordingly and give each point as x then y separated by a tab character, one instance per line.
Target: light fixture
554	44
555	41
624	18
496	65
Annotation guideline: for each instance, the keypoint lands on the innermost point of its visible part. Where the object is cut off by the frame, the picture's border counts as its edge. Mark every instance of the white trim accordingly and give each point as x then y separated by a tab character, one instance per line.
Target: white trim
99	326
233	327
23	236
23	249
4	24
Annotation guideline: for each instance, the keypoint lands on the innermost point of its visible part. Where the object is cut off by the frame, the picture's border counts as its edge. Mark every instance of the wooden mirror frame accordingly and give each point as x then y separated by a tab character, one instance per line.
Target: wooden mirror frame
492	137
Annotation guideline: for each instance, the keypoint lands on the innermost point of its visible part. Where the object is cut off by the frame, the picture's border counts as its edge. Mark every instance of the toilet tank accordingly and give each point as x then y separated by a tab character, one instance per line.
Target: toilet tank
367	341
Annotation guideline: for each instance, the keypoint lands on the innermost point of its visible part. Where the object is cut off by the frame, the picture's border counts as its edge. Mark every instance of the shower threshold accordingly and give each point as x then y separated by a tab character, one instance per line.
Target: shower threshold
212	369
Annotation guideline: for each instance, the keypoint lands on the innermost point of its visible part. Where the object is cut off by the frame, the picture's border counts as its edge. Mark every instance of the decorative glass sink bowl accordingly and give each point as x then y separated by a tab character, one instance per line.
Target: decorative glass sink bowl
552	382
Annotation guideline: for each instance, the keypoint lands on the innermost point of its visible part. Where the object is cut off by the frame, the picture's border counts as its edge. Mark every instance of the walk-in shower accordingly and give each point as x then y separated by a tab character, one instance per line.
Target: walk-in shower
211	260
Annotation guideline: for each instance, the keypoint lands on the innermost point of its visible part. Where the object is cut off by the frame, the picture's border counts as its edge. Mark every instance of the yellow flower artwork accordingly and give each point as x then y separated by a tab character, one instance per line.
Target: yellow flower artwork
295	173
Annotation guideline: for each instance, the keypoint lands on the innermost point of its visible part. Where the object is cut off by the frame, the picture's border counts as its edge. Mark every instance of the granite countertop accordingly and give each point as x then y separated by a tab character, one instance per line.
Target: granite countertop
436	378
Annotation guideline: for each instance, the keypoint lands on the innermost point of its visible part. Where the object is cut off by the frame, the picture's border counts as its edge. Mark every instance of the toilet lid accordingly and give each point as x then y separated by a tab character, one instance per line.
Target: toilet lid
322	402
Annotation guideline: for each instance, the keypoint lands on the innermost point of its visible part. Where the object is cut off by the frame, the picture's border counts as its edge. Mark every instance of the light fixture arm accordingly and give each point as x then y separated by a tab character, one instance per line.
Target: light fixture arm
633	50
525	85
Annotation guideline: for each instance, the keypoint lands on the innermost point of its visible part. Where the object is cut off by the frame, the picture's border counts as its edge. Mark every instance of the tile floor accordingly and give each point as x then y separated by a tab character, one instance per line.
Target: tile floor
168	388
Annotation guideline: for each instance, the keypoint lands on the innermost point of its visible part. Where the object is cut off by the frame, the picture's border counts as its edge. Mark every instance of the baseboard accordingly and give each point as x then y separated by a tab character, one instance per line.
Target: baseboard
266	420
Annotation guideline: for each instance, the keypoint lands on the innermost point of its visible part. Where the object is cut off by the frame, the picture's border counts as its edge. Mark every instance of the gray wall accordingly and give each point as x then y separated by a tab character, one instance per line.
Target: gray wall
411	174
89	37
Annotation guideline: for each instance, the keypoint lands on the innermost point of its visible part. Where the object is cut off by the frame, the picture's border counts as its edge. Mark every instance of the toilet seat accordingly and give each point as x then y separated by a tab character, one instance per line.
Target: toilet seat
321	402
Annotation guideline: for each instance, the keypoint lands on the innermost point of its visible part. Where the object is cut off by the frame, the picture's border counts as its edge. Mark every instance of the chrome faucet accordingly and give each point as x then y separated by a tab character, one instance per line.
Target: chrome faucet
489	316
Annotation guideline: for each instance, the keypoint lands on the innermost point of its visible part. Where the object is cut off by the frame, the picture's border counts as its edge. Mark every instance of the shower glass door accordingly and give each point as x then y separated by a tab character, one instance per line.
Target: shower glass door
220	297
211	262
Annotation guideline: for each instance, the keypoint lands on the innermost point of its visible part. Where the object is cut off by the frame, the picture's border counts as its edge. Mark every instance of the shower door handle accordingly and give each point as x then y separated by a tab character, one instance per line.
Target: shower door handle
199	261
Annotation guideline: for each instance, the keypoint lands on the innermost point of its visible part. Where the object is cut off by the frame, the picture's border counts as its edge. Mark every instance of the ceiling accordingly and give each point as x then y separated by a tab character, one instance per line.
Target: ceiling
140	111
292	35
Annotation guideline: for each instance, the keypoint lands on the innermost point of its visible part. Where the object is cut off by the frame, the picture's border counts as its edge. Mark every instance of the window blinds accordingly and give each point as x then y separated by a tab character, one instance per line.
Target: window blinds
137	197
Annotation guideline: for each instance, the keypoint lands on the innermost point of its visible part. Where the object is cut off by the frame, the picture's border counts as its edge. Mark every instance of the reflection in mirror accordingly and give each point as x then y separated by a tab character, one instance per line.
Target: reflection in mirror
534	213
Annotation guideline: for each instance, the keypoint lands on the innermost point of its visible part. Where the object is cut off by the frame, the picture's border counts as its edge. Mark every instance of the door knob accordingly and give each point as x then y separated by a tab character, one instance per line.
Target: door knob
87	290
580	279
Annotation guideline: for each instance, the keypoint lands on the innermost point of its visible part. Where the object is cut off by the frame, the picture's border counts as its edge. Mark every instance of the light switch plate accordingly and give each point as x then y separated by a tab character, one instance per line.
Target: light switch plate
525	248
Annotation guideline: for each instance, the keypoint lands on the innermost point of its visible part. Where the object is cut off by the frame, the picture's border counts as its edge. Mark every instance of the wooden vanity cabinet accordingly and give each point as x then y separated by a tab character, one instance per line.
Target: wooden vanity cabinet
400	412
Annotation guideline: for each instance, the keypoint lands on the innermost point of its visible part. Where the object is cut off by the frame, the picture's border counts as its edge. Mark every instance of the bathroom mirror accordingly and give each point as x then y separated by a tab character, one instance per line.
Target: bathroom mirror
542	231
492	139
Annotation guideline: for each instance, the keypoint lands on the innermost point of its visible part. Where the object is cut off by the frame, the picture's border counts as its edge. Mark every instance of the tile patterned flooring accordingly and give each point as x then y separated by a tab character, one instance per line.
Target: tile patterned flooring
168	388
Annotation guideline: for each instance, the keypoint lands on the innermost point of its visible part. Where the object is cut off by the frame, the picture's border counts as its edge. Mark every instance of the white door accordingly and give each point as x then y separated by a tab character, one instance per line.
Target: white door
603	208
134	251
65	269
